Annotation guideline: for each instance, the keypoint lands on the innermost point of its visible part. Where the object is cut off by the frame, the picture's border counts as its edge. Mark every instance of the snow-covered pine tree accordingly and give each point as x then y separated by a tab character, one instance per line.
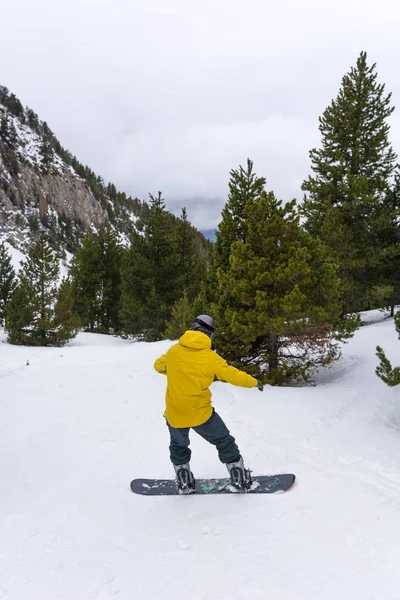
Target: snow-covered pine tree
36	314
351	177
7	280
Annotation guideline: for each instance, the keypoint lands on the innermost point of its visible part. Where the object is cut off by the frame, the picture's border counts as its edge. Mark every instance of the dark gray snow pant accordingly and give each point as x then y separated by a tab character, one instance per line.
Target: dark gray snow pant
214	431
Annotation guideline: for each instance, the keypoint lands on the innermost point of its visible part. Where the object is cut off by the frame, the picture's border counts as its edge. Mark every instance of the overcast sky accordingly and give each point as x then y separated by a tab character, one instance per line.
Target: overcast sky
171	94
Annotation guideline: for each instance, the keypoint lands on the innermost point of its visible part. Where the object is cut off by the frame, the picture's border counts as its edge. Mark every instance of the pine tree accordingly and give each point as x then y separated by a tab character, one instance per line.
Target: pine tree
390	375
244	186
86	276
161	251
136	288
47	153
8	133
96	281
7	280
111	253
33	119
31	315
352	171
66	321
20	314
181	318
166	258
386	280
150	275
278	299
208	291
191	265
46	147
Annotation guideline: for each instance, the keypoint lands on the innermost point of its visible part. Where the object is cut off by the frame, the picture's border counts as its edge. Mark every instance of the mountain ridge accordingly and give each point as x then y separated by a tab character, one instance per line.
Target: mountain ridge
44	188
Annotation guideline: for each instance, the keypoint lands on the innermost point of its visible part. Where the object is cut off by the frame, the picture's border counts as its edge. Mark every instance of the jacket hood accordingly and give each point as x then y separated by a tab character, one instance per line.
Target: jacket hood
195	339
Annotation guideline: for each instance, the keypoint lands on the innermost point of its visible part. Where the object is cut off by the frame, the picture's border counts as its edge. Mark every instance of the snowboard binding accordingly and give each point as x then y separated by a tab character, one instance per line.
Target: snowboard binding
240	477
184	478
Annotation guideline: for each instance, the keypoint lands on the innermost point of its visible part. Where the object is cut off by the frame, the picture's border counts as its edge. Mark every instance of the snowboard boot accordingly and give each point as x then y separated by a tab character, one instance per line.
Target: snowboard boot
185	479
240	477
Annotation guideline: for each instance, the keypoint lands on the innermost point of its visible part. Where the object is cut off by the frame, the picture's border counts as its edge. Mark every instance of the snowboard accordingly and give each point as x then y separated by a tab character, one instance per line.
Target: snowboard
262	484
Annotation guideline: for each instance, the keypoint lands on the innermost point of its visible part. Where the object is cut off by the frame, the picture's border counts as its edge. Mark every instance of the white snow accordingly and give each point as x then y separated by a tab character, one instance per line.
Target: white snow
29	146
16	257
78	423
374	316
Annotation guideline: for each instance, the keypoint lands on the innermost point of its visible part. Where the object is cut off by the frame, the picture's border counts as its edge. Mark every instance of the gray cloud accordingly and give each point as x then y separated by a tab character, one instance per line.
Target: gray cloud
165	95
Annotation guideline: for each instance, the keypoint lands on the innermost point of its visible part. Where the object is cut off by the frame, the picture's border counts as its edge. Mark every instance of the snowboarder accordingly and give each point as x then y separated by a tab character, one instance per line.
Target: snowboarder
191	366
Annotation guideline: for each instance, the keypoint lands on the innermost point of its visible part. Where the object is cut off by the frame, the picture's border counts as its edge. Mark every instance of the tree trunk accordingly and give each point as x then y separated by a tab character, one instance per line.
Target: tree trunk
273	347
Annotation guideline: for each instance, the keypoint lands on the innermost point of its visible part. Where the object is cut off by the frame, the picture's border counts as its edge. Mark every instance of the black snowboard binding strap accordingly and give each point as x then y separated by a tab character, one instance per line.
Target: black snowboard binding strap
185	479
240	477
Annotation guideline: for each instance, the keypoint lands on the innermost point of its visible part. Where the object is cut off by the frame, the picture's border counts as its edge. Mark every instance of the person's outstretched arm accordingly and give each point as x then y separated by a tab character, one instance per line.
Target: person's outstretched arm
225	372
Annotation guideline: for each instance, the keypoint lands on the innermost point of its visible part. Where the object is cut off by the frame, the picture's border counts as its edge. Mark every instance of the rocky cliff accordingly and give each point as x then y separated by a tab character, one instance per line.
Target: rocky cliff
44	188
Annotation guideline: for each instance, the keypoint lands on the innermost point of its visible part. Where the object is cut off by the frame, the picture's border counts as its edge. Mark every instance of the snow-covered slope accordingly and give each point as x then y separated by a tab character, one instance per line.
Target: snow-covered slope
17	257
78	423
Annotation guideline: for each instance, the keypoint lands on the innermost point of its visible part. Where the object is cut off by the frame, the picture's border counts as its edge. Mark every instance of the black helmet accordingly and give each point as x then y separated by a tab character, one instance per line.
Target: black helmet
205	324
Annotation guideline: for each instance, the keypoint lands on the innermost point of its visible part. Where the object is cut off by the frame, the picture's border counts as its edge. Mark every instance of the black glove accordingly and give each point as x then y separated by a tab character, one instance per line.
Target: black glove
260	386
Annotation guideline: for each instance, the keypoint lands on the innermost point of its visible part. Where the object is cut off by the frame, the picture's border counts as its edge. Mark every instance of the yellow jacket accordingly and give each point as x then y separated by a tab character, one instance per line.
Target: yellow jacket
191	367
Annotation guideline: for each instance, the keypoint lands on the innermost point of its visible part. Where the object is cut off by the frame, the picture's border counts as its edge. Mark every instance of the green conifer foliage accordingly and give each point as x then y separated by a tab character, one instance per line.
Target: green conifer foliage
278	299
191	266
244	185
87	274
7	280
33	315
386	280
66	320
390	375
96	281
181	319
111	253
150	275
162	251
137	287
346	195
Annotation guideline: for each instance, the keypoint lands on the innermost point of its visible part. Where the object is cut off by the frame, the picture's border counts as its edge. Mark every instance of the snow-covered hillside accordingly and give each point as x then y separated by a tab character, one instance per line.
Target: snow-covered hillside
78	423
44	188
17	257
29	146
